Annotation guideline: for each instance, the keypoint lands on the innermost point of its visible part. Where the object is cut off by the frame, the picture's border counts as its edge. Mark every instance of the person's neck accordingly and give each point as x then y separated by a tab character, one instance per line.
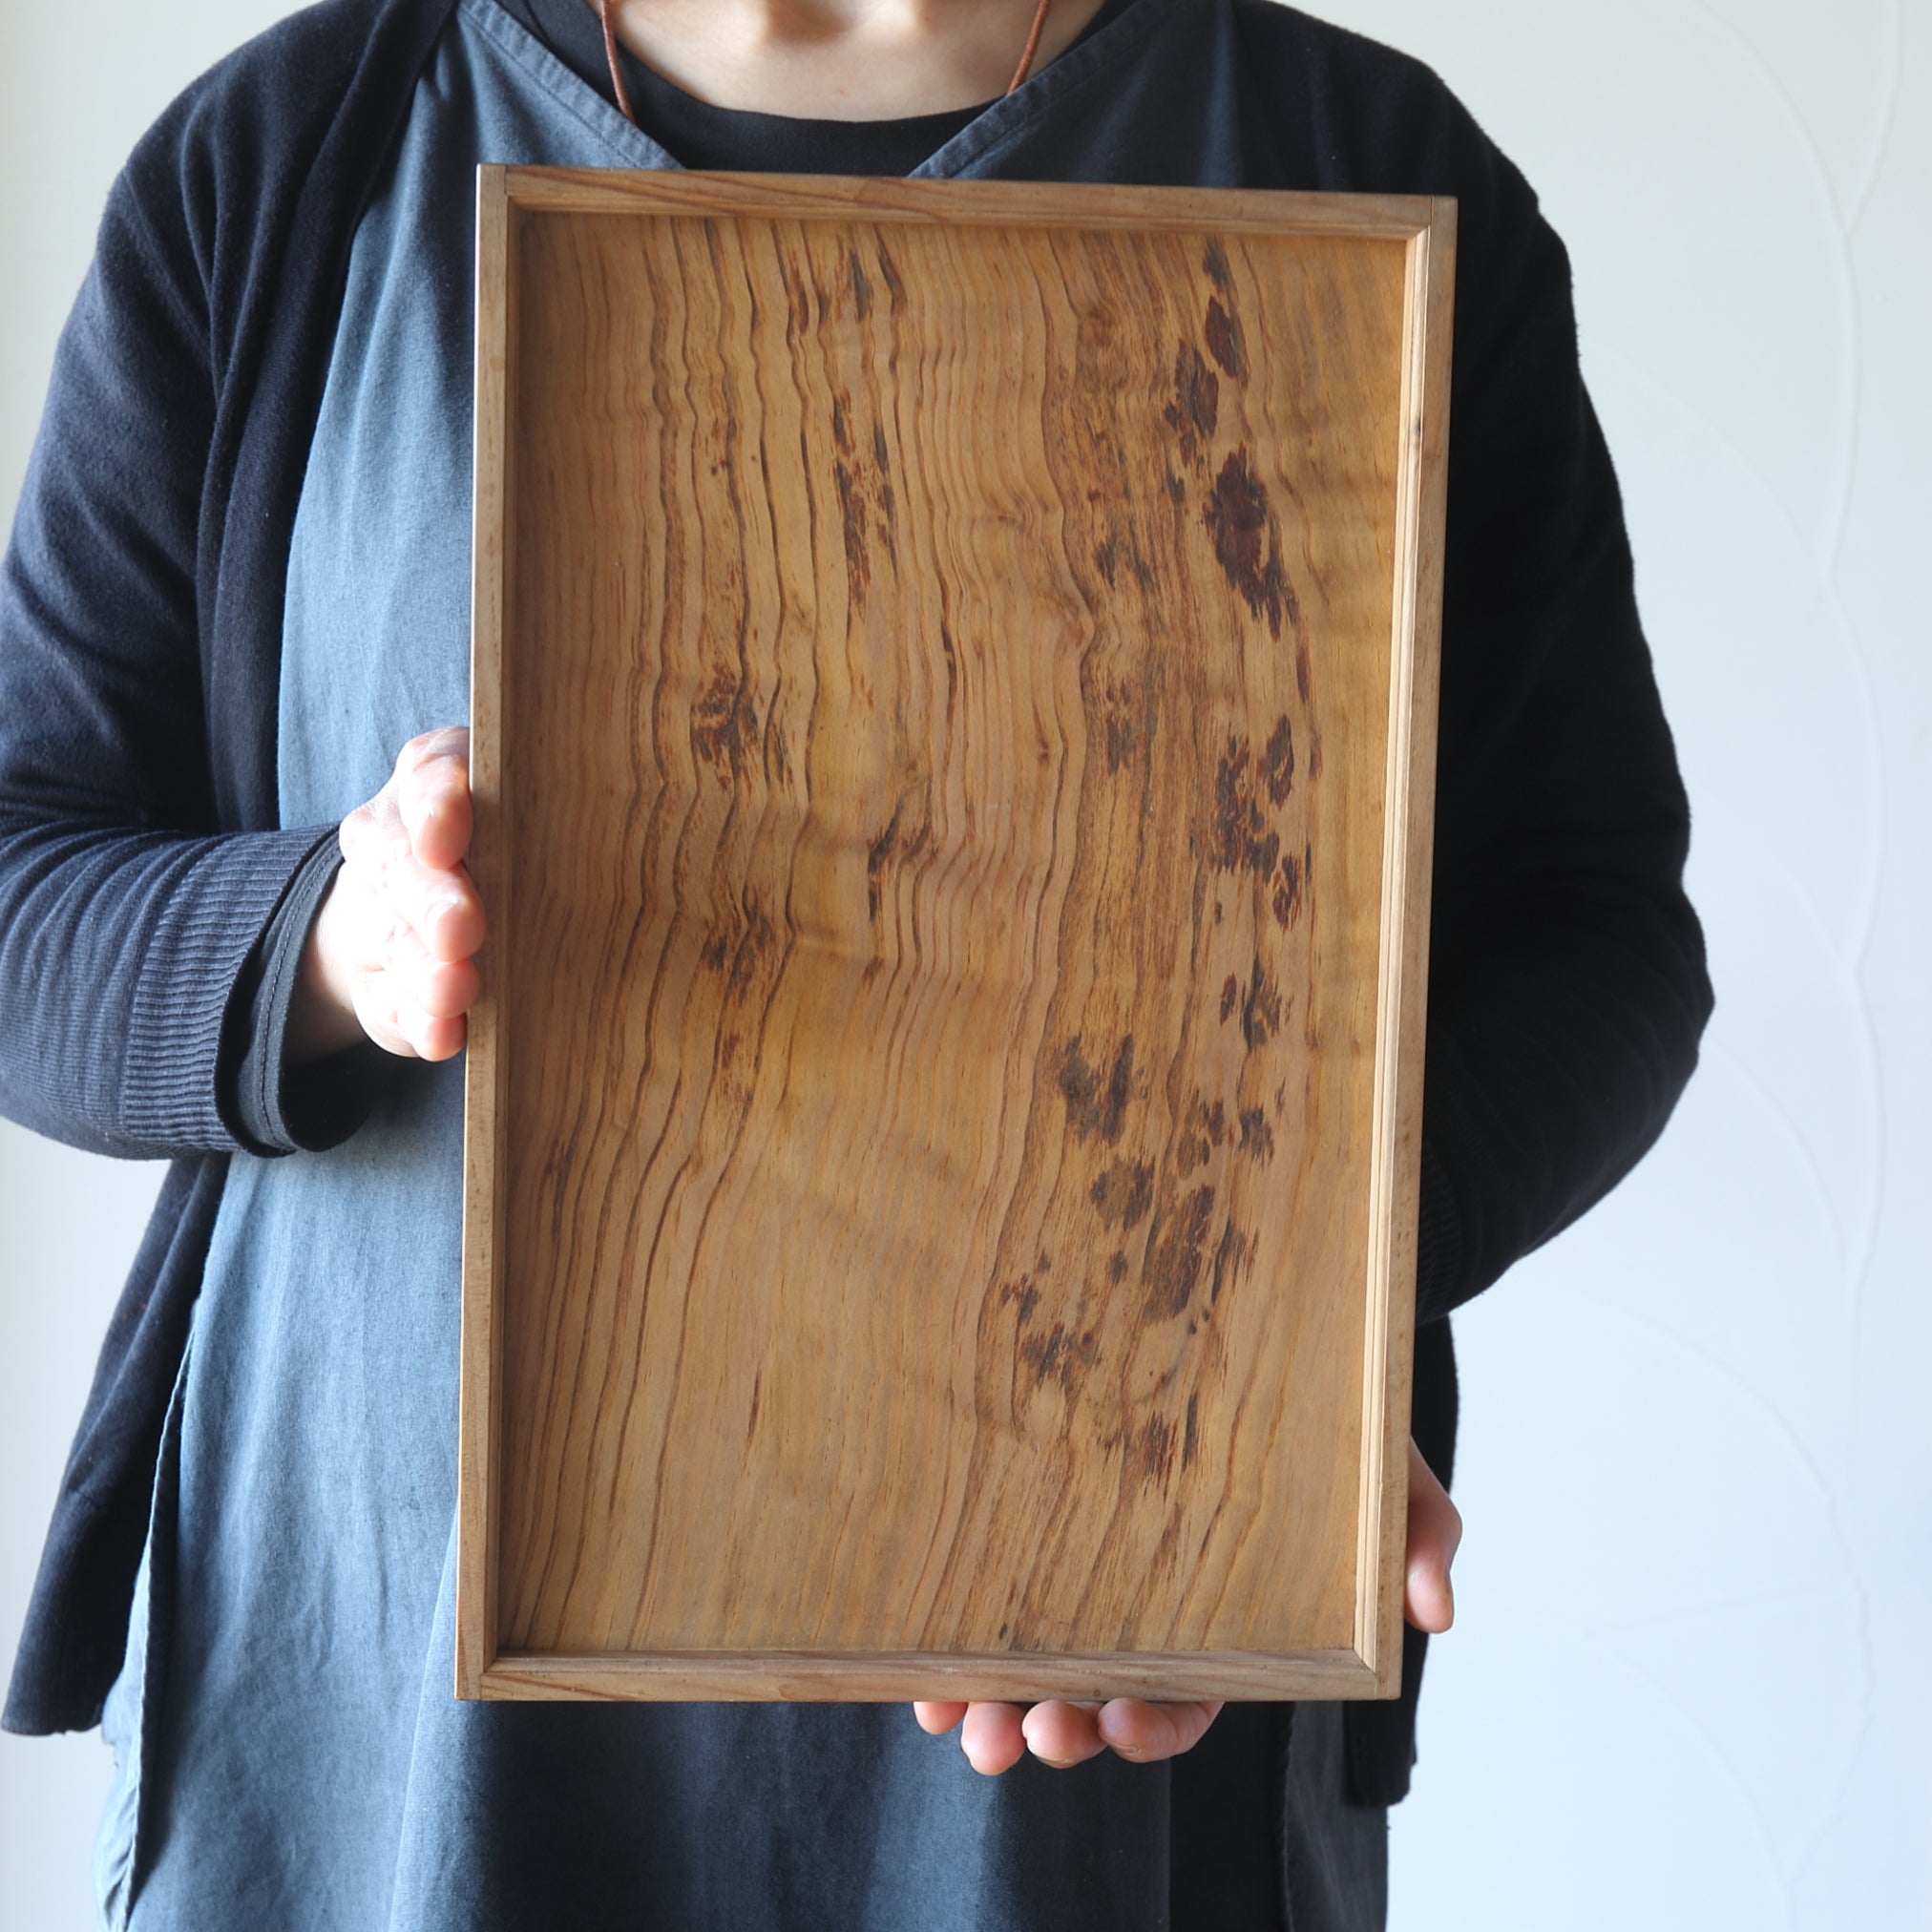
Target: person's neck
843	59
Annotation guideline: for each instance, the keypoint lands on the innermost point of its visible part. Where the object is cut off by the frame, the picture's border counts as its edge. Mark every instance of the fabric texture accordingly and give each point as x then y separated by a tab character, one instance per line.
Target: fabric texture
142	857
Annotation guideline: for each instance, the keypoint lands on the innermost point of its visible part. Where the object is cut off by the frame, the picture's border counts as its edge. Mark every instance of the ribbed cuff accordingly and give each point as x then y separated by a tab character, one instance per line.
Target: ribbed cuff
280	1109
213	901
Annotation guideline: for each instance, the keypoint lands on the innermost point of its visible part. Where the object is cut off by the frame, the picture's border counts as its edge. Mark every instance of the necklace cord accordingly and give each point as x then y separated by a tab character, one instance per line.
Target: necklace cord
1031	48
622	92
610	40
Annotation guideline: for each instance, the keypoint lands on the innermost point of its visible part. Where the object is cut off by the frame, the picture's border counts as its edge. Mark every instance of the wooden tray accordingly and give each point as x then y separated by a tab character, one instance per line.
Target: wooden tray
955	691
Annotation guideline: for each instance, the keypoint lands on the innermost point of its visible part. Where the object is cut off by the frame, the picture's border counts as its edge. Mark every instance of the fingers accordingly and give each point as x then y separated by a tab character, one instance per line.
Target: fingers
440	908
1063	1735
432	785
1435	1533
990	1737
394	941
423	1000
401	997
936	1719
995	1737
417	874
1147	1732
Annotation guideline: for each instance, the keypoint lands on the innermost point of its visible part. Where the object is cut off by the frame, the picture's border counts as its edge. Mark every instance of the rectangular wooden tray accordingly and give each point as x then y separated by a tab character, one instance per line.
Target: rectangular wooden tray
954	752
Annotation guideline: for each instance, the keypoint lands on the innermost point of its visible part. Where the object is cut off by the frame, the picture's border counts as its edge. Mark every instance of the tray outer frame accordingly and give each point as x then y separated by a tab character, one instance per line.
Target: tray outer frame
1372	1668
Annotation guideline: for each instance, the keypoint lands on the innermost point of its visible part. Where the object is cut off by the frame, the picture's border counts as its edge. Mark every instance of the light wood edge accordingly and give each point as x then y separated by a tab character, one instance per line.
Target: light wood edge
480	1369
1408	832
647	191
801	1676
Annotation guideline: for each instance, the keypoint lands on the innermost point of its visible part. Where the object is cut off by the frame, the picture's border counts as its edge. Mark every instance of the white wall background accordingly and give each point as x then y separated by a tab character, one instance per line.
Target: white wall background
1692	1683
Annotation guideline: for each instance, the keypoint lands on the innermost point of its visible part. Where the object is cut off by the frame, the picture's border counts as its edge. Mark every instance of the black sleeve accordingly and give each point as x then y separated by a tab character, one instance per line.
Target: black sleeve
1567	986
128	920
1567	982
281	1108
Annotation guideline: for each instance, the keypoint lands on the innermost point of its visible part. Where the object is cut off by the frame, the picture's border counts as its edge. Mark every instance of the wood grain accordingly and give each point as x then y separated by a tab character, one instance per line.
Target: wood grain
953	797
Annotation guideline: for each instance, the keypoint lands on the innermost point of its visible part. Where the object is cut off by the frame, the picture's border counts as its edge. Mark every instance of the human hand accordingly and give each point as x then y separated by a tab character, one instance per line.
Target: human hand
995	1737
390	957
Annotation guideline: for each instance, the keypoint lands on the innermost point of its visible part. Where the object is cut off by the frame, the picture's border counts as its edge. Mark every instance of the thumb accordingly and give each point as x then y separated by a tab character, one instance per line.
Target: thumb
1435	1532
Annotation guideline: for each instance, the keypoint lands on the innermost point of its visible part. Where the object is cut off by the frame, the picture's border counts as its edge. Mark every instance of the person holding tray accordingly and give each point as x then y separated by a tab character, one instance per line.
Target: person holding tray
236	930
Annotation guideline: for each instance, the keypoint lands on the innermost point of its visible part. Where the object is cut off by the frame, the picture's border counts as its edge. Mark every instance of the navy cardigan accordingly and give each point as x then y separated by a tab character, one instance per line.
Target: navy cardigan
141	863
